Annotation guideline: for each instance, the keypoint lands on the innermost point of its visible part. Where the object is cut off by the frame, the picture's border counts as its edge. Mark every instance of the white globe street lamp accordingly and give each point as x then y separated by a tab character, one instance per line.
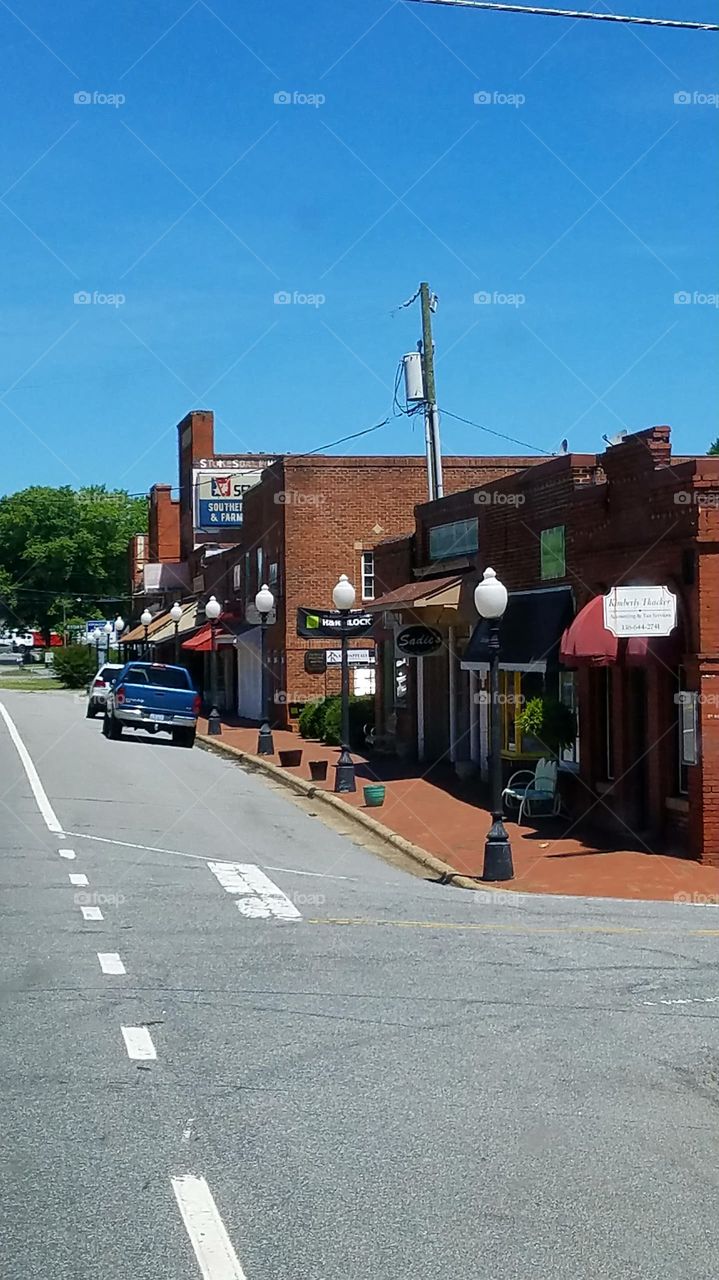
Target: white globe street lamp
146	619
213	609
490	600
176	615
264	604
343	595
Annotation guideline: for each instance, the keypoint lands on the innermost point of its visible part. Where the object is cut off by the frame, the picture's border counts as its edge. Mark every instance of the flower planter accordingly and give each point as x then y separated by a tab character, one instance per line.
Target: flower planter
290	759
318	770
374	795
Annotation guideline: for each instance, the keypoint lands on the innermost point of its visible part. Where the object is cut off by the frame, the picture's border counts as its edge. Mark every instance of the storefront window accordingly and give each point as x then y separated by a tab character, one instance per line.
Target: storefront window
459	538
687	731
568	695
516	688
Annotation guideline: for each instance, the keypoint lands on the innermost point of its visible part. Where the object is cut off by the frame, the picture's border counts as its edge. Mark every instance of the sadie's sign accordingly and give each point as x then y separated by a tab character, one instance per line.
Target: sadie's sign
418	641
640	611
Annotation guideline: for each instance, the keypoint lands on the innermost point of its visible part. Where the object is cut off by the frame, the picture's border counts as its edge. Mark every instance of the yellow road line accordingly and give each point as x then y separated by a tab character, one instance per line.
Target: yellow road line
515	928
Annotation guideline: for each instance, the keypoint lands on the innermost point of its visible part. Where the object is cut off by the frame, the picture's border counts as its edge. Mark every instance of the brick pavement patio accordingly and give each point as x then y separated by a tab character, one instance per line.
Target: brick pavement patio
448	818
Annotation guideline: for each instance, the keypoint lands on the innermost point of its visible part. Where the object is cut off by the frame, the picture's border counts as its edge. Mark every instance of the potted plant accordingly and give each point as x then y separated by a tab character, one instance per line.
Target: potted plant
550	721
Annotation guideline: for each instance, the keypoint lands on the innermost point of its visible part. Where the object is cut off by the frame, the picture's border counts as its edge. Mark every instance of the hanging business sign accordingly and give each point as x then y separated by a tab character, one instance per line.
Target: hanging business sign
355	657
315	661
219	489
640	611
316	623
418	641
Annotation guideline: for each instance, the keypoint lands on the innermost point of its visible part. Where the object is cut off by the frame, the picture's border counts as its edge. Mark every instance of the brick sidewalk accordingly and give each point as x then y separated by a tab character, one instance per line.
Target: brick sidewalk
445	818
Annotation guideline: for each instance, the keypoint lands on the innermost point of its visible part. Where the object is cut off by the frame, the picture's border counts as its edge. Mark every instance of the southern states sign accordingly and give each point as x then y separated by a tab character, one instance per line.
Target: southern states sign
219	486
640	611
315	623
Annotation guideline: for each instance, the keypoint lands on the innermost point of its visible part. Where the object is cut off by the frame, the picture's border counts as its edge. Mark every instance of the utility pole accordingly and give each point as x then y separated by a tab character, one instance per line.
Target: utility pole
431	413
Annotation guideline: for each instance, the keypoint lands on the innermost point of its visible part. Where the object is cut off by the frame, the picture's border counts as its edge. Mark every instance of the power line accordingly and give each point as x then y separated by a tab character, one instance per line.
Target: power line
499	434
495	6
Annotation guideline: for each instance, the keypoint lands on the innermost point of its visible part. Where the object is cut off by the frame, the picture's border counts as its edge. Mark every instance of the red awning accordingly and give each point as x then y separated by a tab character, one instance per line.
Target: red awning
201	642
586	641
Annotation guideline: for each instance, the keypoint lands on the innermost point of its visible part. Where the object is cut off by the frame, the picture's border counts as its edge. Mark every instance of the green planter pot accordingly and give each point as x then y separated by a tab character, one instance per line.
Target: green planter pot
374	796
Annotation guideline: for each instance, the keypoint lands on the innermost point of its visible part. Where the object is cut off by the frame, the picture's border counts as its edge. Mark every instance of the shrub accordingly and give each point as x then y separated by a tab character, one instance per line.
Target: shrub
312	718
552	722
75	665
361	714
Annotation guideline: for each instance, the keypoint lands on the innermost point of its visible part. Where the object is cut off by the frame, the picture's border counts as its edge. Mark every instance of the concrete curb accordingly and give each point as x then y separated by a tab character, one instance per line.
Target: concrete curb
257	764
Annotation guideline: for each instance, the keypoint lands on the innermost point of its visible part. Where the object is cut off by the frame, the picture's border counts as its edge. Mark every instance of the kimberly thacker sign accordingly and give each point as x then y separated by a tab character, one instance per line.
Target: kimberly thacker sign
640	611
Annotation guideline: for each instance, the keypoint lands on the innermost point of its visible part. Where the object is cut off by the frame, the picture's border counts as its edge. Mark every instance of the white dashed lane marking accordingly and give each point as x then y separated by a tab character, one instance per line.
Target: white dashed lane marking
79	879
67	853
91	913
38	790
213	1248
138	1043
257	896
110	962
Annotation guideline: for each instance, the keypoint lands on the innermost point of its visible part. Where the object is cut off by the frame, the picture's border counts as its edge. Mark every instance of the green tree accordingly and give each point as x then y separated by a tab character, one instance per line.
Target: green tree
58	544
714	449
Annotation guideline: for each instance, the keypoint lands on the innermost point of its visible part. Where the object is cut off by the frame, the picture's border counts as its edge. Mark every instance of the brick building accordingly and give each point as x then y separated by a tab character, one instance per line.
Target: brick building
561	535
304	520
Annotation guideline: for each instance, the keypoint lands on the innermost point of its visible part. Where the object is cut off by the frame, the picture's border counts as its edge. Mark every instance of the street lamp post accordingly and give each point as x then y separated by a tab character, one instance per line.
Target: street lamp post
264	604
213	609
146	619
97	648
176	615
119	628
490	601
107	630
343	596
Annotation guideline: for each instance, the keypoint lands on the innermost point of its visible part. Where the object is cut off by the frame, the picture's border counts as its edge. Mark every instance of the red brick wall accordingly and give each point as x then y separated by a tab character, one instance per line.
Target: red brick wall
164	525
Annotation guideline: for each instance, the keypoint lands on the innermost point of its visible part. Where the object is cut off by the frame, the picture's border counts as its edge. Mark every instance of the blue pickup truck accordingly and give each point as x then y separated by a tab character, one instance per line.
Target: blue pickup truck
154	697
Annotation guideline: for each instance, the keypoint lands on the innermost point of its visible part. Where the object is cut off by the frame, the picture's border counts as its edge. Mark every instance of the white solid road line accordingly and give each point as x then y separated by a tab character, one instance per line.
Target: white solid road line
91	913
138	1043
43	804
257	896
67	853
78	878
110	962
209	1238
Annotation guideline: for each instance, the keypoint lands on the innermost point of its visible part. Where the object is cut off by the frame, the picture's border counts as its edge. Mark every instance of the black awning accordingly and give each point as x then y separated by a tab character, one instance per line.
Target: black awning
530	631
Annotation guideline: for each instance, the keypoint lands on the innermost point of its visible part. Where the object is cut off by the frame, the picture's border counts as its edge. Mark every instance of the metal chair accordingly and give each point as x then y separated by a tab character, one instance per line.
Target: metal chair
539	790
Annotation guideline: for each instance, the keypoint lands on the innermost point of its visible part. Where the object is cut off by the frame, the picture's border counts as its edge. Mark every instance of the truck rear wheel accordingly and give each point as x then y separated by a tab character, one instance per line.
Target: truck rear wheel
183	737
114	728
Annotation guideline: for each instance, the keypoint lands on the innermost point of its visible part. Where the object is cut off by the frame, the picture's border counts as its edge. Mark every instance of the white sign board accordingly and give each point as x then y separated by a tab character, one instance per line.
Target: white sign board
218	494
640	611
356	657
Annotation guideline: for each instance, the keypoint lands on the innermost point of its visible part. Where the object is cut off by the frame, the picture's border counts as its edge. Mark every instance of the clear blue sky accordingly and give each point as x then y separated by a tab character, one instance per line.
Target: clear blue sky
500	198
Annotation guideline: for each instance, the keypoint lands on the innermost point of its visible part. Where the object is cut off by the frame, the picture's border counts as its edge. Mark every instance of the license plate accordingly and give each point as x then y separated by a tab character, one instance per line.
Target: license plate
159	718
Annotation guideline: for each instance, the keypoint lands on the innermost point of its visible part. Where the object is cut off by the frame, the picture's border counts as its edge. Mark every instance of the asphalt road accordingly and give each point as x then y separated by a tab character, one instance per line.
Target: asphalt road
356	1073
